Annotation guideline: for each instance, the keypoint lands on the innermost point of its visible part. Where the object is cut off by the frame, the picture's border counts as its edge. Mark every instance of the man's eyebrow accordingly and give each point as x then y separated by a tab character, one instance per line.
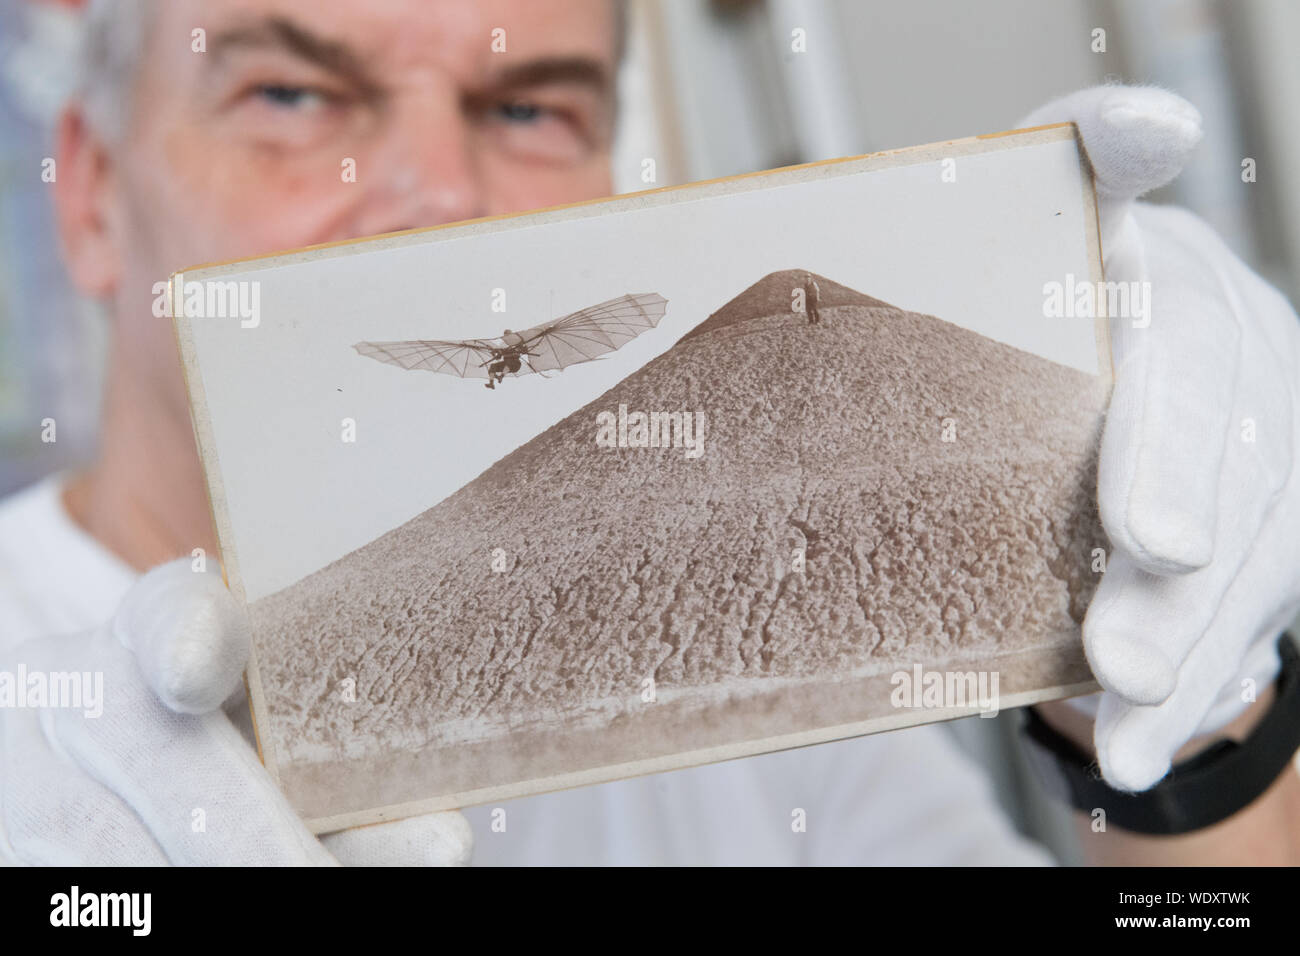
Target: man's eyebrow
282	34
572	69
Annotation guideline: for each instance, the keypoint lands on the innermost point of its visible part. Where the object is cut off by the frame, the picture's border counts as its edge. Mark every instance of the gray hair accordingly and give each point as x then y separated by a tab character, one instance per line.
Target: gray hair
113	41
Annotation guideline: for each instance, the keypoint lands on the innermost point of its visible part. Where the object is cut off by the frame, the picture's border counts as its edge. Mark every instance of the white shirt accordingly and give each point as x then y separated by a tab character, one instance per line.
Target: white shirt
54	578
906	797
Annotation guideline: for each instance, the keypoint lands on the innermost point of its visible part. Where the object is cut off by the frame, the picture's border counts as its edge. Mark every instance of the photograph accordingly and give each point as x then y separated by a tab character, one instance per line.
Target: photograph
666	528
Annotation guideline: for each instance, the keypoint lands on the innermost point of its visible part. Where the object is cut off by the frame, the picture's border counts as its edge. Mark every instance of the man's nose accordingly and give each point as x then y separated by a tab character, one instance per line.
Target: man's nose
425	171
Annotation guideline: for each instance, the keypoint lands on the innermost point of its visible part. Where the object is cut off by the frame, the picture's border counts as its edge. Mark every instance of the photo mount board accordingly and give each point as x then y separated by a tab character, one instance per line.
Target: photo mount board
358	806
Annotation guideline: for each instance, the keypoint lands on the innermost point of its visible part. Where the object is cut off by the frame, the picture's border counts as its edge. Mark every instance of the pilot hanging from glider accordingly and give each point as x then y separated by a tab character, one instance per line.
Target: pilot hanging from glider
580	337
507	359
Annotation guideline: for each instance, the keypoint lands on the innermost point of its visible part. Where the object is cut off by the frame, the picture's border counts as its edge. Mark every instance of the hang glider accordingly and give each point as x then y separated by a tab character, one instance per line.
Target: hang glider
579	337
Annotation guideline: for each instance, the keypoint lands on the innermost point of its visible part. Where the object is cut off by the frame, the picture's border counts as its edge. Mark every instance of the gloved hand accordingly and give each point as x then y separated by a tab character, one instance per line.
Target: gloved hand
162	775
1198	487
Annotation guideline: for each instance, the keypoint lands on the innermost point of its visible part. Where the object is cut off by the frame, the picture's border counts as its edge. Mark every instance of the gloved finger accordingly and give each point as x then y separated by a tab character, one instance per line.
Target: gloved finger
1171	410
195	784
54	816
188	634
1130	605
1141	628
1136	743
1137	138
433	839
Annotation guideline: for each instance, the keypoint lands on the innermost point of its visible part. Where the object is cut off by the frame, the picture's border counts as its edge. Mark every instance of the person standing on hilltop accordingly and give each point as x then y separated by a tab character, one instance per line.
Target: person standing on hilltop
812	298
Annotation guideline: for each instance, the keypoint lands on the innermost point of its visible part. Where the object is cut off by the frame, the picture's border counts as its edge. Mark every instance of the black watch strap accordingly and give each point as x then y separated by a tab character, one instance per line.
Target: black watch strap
1212	786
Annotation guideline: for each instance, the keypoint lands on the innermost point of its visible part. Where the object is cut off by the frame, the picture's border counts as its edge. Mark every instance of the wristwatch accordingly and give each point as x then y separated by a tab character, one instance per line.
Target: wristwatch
1213	785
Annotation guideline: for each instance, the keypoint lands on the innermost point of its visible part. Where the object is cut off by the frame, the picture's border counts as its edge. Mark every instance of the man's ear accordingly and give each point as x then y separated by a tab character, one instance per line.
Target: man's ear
84	201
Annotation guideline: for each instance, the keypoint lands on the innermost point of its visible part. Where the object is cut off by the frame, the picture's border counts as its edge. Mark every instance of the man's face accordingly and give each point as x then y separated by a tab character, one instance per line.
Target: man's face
252	145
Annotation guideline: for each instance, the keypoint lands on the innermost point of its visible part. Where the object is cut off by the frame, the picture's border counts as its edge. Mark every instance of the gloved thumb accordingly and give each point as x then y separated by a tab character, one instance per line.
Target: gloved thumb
189	635
1137	138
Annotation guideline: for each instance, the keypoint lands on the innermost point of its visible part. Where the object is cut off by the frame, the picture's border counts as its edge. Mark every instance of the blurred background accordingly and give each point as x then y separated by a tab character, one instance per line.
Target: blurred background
712	88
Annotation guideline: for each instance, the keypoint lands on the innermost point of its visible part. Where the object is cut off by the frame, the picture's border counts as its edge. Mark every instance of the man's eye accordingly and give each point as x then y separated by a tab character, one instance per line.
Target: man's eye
519	112
534	128
290	97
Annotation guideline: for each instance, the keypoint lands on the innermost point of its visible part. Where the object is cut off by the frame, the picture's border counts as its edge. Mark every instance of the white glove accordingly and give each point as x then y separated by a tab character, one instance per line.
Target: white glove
162	775
1197	485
